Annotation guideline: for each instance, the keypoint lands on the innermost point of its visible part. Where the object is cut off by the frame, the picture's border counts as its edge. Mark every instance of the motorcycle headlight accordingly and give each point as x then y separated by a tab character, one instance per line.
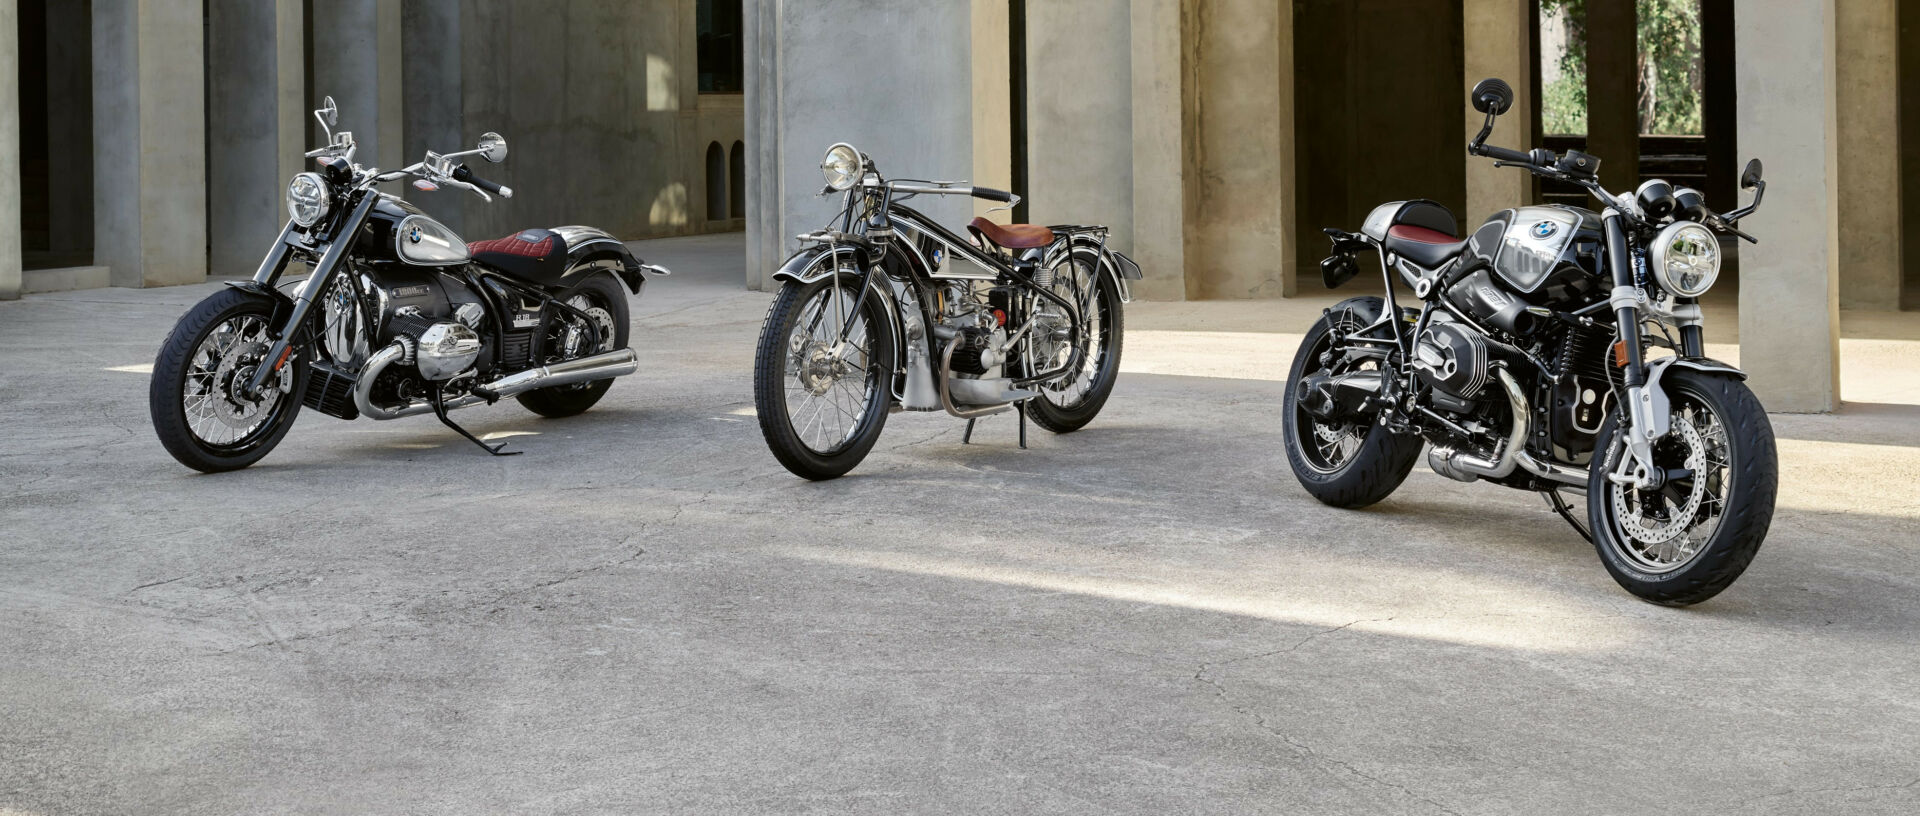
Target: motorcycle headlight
842	166
1686	259
308	199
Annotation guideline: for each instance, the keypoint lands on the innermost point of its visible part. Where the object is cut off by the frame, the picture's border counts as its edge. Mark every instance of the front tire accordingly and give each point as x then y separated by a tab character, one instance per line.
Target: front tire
820	411
193	397
605	300
1342	464
1690	539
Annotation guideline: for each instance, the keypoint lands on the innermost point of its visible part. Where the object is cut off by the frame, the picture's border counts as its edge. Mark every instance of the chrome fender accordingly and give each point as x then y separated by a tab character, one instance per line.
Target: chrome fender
816	262
1117	266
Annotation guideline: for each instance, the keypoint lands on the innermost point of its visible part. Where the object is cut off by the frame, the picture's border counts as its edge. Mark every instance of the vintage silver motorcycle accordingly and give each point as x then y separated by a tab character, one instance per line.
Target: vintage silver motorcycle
398	317
1530	364
886	310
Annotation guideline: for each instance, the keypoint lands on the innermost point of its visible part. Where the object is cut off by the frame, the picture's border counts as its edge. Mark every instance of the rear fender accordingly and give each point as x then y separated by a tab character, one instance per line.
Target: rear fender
592	249
1118	267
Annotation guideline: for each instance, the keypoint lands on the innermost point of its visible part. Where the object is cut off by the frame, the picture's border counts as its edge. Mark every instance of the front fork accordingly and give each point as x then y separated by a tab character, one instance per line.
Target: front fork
345	233
1647	417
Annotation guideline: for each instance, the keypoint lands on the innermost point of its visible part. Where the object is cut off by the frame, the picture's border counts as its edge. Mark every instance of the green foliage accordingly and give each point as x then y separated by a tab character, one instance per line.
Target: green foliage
1669	68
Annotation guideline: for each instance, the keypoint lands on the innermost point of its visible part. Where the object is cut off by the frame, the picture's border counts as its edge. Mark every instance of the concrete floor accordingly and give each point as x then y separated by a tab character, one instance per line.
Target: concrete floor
646	614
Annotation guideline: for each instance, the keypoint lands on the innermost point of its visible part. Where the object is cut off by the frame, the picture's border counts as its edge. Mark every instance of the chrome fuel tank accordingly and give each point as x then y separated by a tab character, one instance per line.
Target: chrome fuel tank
398	230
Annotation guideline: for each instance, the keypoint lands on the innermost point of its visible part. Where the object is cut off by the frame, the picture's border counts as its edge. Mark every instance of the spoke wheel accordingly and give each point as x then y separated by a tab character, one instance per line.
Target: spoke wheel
604	301
822	401
197	397
1070	402
1690	535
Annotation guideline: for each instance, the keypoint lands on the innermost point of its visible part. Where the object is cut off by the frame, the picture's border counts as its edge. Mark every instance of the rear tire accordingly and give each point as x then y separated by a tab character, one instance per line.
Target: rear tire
1748	465
601	291
192	421
1365	472
1076	413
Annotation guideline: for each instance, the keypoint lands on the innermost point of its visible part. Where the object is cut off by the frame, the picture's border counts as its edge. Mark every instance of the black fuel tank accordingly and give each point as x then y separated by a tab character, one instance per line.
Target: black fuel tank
1545	254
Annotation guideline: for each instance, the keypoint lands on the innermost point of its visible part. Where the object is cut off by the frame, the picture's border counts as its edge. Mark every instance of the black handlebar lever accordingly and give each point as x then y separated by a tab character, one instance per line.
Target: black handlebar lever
465	174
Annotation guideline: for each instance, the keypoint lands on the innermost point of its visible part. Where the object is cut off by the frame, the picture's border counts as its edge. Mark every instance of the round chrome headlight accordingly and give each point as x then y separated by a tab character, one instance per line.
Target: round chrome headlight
842	167
1686	259
308	199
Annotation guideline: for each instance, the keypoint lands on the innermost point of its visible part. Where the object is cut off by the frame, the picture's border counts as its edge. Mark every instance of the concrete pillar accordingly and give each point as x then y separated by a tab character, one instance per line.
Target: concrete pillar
357	61
1613	105
1161	157
149	136
256	89
1080	116
898	86
69	76
1499	43
1239	116
1868	103
992	83
1789	289
434	115
9	150
760	27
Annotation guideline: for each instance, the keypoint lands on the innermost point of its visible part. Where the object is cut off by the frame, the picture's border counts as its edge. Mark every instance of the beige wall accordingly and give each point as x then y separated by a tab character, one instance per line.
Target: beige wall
1867	104
1242	126
1498	38
992	105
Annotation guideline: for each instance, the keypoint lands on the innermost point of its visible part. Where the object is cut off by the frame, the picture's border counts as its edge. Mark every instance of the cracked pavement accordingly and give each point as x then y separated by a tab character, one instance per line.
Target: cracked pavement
646	614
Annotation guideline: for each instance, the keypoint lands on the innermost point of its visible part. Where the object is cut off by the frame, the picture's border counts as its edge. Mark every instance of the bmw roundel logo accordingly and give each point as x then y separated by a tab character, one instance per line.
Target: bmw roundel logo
1545	229
413	235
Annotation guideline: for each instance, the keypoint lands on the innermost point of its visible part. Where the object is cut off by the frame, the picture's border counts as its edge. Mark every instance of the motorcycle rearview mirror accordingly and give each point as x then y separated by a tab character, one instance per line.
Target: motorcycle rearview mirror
493	147
1750	178
331	110
1493	96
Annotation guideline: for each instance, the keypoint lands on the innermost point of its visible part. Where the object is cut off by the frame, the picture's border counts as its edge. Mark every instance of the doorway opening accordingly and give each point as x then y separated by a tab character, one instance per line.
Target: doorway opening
56	134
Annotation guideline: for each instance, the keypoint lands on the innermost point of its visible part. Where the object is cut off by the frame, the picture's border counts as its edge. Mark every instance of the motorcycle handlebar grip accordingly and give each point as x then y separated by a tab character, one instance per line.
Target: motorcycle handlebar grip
991	194
1503	154
466	174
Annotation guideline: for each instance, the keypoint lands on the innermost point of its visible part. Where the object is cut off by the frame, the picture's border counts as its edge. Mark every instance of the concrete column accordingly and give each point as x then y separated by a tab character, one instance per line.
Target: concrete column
760	28
1160	150
1789	289
897	86
149	136
9	150
357	61
1868	103
1239	117
1499	43
434	115
992	81
1613	105
1080	116
256	88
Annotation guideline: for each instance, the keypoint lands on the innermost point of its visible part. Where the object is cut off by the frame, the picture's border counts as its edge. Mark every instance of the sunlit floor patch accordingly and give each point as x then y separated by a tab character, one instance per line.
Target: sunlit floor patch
143	368
1546	623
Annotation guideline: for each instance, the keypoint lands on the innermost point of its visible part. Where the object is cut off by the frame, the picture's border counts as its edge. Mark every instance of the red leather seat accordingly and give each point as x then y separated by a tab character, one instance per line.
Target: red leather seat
536	256
1012	236
1427	247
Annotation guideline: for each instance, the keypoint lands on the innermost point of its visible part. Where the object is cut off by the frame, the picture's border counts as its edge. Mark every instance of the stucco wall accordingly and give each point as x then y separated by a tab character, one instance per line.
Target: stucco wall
1867	104
1080	115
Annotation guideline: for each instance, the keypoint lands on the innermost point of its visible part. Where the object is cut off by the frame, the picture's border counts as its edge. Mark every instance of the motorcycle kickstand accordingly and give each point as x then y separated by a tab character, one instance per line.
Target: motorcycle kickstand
967	438
1565	510
1021	409
440	410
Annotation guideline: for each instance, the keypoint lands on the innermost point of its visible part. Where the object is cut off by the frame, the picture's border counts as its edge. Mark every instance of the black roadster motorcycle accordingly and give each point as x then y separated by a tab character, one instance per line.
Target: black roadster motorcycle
398	317
1531	363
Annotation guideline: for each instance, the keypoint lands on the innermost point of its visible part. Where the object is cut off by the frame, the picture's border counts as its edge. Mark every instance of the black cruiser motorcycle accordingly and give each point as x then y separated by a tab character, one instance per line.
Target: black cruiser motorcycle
398	317
885	310
1530	364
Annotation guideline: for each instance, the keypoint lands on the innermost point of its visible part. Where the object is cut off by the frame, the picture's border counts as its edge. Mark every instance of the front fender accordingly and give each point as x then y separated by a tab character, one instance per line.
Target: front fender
282	305
810	264
1660	417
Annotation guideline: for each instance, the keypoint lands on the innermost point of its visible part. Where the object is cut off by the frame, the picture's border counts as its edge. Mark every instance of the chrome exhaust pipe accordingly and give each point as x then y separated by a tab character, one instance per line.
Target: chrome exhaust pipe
616	363
1466	466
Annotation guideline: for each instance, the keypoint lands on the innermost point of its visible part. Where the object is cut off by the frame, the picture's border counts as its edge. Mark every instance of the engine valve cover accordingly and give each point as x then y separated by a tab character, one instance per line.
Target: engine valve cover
1452	358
